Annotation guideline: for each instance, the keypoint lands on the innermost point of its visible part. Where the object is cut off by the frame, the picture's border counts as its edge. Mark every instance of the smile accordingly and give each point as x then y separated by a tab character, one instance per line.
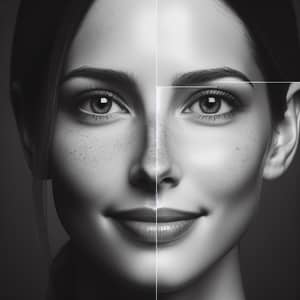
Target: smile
159	226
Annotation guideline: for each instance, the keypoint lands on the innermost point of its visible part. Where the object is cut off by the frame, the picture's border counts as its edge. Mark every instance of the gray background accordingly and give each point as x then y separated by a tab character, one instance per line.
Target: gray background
270	250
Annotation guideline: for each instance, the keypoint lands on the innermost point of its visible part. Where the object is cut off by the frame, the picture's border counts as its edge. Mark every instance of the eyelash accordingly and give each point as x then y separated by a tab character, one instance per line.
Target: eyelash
222	95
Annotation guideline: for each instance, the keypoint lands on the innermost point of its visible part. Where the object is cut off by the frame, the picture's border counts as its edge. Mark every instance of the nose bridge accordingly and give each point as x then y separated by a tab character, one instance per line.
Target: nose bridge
154	170
148	159
163	154
156	156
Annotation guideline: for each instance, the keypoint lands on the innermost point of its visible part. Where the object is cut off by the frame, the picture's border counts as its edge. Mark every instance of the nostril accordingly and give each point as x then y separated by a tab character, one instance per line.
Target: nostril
167	181
143	181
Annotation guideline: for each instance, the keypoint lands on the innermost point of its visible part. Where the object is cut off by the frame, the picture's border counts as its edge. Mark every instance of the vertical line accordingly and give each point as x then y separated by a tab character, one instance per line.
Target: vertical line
156	145
156	202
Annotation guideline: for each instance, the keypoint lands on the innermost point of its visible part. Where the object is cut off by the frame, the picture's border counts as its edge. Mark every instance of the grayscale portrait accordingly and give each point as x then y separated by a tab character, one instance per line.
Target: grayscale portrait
152	127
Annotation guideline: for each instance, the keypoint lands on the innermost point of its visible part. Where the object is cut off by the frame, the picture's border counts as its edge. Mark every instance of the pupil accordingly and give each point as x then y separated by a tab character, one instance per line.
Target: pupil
210	105
101	105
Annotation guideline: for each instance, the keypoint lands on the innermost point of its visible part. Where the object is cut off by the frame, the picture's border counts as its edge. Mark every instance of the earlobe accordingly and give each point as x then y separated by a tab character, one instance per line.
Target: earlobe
285	136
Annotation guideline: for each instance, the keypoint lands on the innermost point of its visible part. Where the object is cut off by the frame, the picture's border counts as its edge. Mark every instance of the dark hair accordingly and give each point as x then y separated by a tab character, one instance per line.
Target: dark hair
43	33
273	29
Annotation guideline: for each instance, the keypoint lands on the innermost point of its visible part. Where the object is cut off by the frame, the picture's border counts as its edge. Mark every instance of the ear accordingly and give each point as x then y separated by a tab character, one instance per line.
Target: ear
285	136
18	104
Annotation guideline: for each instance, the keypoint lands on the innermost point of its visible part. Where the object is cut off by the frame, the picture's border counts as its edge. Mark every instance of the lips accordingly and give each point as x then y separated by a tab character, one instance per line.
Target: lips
155	226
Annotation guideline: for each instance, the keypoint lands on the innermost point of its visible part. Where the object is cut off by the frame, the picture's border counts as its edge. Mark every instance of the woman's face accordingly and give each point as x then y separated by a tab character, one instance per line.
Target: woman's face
155	112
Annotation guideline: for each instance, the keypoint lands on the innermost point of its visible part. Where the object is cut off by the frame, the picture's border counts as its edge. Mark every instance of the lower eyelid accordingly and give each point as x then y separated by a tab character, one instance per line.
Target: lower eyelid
219	116
214	120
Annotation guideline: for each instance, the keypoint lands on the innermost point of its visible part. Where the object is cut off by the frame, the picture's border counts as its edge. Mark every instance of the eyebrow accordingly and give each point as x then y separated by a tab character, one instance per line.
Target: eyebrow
101	74
199	77
193	78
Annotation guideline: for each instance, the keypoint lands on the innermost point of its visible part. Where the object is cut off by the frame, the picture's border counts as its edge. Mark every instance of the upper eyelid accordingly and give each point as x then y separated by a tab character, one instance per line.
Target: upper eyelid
202	92
215	90
80	97
95	90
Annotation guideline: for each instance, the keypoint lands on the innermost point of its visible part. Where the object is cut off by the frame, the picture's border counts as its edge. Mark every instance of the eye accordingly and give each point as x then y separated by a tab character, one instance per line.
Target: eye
212	105
101	103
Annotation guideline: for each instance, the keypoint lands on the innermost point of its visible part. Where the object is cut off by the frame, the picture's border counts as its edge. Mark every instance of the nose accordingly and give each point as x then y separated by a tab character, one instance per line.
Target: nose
155	169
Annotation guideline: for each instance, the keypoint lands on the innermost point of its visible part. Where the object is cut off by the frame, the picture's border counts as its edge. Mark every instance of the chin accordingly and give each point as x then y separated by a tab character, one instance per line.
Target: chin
184	264
172	280
140	276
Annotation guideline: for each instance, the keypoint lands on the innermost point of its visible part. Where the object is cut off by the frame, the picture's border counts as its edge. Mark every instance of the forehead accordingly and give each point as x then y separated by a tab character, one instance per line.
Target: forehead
157	40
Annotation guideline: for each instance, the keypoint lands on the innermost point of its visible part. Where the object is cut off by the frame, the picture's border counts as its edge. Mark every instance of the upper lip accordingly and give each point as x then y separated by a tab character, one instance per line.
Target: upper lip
155	215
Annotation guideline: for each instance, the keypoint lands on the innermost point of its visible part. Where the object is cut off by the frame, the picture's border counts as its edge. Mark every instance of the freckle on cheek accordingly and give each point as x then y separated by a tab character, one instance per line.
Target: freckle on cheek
77	154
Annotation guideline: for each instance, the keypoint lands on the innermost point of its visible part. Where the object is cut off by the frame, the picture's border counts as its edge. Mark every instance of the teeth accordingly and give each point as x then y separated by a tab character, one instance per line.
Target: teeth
162	232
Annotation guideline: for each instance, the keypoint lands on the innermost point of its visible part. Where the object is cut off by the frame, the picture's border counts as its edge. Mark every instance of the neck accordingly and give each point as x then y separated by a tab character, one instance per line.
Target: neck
222	281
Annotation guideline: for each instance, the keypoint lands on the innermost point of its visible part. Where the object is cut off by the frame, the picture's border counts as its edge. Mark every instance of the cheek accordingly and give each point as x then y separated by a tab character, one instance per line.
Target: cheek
88	161
225	163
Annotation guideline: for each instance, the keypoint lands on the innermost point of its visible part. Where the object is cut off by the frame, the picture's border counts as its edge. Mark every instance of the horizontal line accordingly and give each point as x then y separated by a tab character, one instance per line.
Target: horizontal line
225	82
182	86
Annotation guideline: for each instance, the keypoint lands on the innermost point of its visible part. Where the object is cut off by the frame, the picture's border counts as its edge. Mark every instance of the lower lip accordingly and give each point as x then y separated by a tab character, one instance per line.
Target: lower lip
157	233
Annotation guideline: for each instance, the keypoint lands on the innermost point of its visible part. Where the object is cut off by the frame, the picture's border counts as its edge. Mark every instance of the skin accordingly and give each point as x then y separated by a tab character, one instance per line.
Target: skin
198	162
